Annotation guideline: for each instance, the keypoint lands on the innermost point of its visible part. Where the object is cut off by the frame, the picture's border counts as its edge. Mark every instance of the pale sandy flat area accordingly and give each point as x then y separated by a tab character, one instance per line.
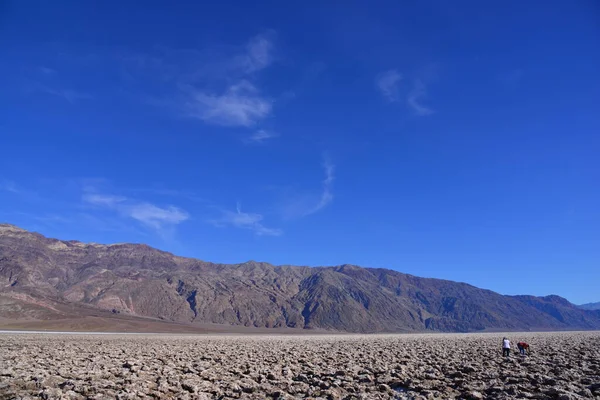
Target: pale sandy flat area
564	365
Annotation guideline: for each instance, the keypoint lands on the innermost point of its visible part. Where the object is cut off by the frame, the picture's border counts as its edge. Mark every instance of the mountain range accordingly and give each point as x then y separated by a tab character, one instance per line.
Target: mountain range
46	279
590	306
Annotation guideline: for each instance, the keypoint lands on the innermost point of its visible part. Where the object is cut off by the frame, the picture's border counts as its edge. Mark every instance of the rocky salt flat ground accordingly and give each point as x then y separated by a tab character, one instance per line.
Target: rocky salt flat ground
561	366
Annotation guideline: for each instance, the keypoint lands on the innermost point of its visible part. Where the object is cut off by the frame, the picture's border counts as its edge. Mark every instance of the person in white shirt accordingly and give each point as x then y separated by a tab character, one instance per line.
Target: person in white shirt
505	347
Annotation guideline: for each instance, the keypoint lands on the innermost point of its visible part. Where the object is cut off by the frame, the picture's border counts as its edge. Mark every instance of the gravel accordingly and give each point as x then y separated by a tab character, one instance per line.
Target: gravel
561	366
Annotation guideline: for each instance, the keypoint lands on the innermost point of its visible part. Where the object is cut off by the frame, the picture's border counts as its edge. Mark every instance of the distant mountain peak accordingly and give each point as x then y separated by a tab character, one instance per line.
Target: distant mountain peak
4	228
590	306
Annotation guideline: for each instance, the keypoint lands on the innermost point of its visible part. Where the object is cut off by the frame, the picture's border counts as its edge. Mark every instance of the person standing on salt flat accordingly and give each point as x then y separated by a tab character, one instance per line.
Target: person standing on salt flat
505	347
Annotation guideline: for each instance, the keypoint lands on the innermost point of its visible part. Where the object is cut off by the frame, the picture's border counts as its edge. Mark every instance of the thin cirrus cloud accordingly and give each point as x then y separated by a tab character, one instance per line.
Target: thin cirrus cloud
204	84
103	199
72	96
25	194
242	220
240	105
416	97
327	193
149	215
298	204
45	83
9	186
157	217
46	70
387	83
258	55
261	136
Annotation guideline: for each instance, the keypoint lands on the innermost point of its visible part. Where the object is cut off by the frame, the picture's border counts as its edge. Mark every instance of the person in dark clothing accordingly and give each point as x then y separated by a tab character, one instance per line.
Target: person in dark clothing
523	347
505	347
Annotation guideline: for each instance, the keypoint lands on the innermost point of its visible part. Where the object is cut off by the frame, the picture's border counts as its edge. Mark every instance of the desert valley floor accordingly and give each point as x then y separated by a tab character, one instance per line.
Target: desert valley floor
562	365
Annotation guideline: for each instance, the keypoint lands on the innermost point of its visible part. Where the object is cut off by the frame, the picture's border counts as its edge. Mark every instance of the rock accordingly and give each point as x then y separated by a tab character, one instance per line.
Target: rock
566	396
51	394
190	386
467	369
474	395
383	387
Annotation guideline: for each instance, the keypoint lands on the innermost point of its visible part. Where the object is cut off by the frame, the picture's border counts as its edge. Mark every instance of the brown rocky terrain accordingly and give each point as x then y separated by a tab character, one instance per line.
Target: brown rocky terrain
43	279
564	366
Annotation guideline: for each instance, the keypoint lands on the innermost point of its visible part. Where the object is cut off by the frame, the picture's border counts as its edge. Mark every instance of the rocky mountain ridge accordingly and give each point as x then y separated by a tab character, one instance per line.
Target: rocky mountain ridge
41	277
590	306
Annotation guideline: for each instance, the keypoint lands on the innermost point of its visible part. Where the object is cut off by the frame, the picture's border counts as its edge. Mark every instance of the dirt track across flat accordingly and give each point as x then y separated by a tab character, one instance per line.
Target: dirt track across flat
562	365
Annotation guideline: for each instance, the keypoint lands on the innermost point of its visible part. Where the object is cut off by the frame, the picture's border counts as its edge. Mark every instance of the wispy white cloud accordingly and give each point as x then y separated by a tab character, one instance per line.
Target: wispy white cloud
150	215
34	87
24	193
258	54
156	217
119	210
46	70
218	84
261	136
239	105
415	98
72	96
388	83
9	186
103	199
159	190
243	220
297	204
327	193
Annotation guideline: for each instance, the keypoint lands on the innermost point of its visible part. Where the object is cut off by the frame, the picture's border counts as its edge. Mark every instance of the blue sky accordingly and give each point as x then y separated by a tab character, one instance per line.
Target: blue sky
456	140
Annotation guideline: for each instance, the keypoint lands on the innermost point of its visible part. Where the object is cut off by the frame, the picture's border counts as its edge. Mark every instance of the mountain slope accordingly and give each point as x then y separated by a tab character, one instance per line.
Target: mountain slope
590	306
40	273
